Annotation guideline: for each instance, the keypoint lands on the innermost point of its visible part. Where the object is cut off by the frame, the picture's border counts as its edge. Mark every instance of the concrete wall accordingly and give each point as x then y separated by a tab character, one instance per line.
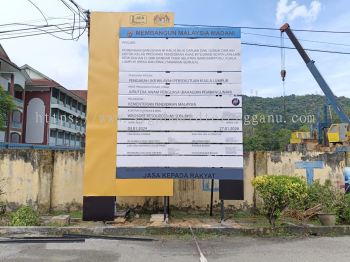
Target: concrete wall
54	179
42	178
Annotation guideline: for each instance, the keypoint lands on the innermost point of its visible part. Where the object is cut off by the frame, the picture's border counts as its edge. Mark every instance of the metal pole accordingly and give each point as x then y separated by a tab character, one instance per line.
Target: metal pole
222	211
165	208
168	207
211	197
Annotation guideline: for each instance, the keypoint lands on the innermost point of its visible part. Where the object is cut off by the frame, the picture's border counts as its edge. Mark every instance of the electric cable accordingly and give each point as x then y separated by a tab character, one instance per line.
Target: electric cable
41	12
265	28
300	39
49	33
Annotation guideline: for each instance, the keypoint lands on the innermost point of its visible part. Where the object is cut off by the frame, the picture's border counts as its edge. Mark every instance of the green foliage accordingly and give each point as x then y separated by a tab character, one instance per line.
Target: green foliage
344	210
295	105
327	195
275	135
278	193
6	106
265	138
25	216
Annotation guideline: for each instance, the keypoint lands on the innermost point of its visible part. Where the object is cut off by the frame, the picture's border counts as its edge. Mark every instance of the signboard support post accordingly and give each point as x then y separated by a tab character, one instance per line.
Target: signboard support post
222	211
165	206
211	197
168	208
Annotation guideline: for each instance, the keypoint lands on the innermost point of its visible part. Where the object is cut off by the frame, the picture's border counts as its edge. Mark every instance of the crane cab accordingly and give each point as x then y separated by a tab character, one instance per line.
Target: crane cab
339	133
299	137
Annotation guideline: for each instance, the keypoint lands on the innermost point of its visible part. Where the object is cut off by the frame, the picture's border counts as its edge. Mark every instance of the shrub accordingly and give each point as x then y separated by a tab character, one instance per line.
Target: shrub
327	195
344	210
25	216
279	192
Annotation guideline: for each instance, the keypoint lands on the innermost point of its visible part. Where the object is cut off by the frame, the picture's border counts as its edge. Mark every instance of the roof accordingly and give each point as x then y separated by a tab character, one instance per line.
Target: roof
6	58
81	93
42	83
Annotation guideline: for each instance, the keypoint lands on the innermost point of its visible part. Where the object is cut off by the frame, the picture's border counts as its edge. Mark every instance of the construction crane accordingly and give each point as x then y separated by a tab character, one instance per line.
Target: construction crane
337	133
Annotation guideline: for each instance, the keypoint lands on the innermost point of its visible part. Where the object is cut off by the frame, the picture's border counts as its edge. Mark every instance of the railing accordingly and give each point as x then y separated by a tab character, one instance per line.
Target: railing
4	83
54	100
32	146
17	125
18	102
66	108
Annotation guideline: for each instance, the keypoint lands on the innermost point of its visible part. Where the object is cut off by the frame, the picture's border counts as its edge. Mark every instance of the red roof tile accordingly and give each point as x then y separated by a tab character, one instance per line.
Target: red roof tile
6	58
43	82
81	93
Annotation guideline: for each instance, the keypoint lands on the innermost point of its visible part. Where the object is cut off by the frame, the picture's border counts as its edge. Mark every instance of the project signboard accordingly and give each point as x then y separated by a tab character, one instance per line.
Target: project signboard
179	103
164	103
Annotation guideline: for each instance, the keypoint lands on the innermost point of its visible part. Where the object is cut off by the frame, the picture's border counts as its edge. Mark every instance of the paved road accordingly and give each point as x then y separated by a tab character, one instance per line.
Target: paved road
242	249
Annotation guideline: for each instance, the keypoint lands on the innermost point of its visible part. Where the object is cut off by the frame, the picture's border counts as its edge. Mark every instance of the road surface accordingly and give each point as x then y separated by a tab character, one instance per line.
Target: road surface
242	249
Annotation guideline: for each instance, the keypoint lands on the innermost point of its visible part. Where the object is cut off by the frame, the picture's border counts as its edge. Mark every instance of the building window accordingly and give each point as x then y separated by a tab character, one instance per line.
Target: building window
16	116
15	138
60	138
53	134
69	101
2	136
62	98
55	94
18	94
74	105
16	119
66	139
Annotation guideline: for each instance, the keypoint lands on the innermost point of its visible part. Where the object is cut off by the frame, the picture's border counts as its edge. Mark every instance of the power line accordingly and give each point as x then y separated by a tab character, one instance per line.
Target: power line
302	40
80	11
37	20
267	28
41	12
31	28
50	32
243	43
293	48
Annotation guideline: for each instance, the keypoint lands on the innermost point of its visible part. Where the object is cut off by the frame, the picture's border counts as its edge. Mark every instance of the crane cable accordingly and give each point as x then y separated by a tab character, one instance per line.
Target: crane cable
283	76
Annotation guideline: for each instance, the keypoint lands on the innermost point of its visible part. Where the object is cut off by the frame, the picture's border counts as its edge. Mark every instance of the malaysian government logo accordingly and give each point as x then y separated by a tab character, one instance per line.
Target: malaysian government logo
138	19
161	19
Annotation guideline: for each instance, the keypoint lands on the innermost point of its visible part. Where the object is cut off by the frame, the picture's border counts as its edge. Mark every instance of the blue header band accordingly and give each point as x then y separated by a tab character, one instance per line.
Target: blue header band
179	32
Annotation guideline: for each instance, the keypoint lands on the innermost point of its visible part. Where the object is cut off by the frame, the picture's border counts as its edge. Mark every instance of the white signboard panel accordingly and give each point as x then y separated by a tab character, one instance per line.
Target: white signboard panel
179	137
184	161
180	113
179	103
163	54
180	89
180	149
182	77
180	125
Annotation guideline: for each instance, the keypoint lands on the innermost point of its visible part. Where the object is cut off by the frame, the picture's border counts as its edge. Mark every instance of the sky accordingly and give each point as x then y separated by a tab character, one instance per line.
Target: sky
67	61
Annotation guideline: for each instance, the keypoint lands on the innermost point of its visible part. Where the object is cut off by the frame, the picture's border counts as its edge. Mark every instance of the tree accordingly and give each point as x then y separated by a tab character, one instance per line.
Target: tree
6	106
283	138
261	138
278	193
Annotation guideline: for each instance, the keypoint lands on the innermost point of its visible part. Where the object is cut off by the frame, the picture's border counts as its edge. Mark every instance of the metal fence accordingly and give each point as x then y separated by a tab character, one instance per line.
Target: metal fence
33	146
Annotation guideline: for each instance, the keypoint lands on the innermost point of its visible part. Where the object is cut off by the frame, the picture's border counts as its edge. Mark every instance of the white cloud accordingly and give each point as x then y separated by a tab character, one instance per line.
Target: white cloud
64	61
289	11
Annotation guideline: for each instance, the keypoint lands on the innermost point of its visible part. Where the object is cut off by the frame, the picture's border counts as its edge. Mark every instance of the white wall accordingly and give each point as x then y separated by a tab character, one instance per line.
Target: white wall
35	121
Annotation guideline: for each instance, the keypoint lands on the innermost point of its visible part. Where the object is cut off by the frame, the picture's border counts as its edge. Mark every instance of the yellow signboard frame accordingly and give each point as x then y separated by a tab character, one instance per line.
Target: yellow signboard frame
101	130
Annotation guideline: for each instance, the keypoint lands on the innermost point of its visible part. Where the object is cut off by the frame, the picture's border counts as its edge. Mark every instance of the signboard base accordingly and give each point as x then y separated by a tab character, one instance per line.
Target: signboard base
231	190
98	208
